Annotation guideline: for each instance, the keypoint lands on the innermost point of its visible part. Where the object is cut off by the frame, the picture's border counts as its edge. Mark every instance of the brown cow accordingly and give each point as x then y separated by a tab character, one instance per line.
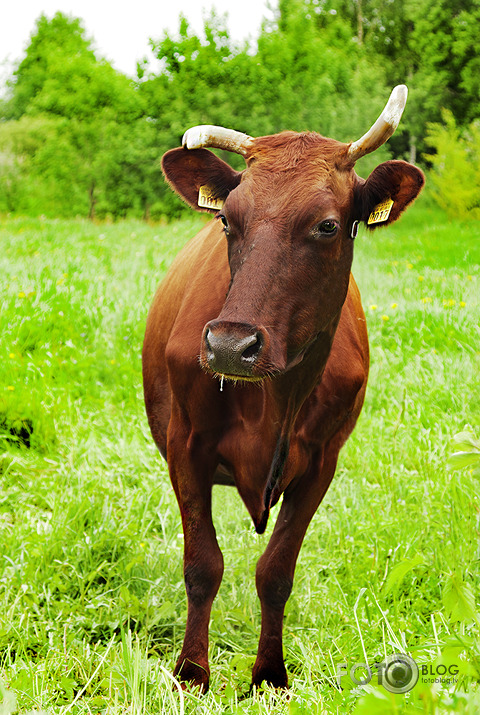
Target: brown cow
255	358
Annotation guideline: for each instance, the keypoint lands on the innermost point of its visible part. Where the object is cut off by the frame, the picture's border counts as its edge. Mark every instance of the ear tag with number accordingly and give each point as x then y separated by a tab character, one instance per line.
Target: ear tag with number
207	198
381	212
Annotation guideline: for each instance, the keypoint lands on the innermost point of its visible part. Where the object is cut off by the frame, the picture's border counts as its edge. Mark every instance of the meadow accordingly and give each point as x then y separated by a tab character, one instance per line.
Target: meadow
92	602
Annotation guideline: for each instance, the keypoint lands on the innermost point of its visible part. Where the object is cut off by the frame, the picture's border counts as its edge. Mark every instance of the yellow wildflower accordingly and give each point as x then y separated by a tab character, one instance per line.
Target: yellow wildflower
373	307
385	318
21	294
394	305
11	356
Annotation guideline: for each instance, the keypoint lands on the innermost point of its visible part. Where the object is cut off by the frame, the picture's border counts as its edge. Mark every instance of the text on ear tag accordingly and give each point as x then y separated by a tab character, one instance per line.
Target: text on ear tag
381	212
207	198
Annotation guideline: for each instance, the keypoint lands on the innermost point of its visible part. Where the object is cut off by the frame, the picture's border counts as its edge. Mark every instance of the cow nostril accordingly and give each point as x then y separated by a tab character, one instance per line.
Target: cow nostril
207	341
252	351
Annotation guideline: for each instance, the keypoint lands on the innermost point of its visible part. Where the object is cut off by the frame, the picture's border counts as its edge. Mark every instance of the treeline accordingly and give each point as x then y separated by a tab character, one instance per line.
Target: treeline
79	138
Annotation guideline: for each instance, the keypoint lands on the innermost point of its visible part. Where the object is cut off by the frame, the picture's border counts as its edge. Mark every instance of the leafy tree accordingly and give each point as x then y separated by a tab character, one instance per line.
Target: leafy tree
90	106
303	76
80	88
88	139
199	79
24	187
315	74
60	75
466	60
51	42
432	46
133	176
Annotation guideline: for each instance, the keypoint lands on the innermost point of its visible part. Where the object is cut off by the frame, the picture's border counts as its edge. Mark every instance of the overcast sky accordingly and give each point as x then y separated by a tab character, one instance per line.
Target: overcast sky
121	29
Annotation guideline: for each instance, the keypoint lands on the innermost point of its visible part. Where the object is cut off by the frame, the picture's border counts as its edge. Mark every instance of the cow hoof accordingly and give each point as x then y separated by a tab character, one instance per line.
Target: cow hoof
276	677
192	675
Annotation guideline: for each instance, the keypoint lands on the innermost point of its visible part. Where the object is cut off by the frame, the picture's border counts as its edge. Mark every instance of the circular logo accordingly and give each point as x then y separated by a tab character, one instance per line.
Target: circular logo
400	673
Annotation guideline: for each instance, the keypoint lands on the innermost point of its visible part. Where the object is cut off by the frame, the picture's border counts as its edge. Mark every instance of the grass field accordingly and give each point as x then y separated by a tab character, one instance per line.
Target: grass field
92	603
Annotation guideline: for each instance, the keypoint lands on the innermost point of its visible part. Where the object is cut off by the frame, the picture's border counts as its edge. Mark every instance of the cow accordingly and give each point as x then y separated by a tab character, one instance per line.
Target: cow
255	358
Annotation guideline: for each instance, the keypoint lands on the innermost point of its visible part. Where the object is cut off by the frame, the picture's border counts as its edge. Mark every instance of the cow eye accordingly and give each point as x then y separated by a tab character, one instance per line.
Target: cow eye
224	221
327	228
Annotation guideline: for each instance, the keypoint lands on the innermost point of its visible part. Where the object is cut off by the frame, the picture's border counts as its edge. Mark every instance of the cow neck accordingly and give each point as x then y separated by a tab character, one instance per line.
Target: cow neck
291	389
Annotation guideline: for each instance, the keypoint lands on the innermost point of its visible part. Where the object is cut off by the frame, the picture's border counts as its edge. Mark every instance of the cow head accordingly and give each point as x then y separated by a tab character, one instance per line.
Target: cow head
289	220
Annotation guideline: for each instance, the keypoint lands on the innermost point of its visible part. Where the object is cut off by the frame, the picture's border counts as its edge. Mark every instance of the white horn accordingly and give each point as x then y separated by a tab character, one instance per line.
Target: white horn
384	126
217	137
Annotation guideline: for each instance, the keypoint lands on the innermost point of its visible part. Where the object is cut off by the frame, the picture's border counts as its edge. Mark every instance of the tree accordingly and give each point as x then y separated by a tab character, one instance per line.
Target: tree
51	42
305	75
199	79
87	105
61	76
90	138
432	46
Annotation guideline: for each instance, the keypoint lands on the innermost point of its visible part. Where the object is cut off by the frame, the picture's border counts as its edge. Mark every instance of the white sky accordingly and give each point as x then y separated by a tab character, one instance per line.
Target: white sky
121	29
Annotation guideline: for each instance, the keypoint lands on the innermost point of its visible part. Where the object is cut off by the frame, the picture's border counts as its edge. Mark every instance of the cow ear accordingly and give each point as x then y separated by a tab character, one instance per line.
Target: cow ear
387	192
199	177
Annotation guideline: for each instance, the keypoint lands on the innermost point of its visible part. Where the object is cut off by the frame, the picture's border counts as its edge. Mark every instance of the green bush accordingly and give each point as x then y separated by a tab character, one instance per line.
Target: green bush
455	176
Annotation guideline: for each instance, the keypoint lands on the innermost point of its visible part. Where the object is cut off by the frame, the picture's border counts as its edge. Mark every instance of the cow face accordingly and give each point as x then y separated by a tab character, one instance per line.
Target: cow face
289	221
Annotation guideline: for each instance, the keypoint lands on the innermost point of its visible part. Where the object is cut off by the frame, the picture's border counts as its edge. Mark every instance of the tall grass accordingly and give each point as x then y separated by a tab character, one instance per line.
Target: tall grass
92	606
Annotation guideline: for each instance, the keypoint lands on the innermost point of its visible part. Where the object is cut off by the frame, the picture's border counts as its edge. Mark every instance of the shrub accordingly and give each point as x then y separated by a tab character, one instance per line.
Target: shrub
455	175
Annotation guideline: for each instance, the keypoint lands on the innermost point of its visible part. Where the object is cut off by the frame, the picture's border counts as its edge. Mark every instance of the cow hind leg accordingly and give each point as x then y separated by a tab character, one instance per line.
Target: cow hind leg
276	567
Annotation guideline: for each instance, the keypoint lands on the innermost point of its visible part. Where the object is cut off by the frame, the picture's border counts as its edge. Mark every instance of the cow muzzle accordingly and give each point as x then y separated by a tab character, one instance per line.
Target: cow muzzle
234	349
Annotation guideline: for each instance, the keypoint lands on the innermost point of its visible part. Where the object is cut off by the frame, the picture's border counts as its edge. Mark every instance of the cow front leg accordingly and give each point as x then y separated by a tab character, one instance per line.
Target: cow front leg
276	567
203	570
192	476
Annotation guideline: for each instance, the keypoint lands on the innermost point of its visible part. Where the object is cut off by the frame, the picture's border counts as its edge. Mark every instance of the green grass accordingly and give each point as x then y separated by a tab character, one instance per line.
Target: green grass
92	603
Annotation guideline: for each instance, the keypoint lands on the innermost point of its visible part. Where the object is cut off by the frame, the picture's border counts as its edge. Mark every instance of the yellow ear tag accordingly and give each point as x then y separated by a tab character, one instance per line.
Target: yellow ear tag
381	212
207	198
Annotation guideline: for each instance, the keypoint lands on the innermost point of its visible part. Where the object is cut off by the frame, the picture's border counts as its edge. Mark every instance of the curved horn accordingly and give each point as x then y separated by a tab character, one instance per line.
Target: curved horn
384	126
217	137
